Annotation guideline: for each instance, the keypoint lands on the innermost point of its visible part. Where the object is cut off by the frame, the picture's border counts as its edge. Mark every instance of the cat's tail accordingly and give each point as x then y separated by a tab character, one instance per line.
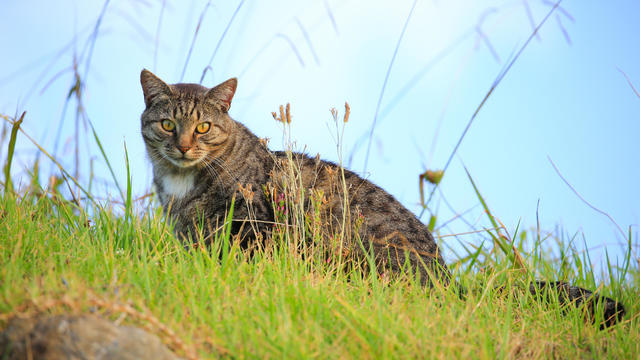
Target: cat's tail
613	310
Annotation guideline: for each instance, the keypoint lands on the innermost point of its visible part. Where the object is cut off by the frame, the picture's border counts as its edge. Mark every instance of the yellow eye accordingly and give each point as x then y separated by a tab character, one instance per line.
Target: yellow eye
168	125
203	127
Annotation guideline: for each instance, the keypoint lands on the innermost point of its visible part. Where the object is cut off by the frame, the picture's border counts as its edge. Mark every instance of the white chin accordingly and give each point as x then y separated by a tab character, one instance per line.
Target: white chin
183	163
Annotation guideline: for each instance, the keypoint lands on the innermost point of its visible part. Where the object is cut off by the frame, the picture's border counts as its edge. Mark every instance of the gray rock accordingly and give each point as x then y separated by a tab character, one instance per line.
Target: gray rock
78	337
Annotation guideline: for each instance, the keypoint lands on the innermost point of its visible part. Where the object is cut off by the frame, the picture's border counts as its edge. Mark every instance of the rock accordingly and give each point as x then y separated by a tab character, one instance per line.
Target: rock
78	337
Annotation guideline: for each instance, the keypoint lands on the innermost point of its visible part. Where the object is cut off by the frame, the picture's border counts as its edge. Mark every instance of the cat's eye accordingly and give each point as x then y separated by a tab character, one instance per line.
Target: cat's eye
203	127
168	125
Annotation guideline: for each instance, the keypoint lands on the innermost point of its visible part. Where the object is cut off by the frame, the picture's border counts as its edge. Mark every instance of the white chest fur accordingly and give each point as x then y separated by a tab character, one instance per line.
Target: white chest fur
177	185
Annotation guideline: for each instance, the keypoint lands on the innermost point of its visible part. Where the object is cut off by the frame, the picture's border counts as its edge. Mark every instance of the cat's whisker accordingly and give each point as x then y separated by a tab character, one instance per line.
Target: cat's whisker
156	155
212	172
215	161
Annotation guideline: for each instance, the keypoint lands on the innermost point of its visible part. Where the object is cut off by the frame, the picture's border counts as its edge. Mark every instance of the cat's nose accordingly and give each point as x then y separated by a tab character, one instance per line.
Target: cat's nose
183	149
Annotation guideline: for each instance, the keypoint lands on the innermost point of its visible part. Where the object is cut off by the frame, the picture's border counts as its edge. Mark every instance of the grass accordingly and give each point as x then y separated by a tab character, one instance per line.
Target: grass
60	257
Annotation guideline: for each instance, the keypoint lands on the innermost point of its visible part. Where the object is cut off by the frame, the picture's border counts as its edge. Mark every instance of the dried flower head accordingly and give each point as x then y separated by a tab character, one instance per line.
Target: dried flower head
247	192
265	141
347	111
285	115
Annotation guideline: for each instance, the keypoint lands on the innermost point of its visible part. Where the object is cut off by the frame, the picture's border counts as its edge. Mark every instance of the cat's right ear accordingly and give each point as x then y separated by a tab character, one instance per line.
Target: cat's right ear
153	88
222	94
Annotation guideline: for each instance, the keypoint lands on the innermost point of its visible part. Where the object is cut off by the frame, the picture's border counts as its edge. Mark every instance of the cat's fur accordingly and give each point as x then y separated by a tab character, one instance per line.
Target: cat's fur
197	175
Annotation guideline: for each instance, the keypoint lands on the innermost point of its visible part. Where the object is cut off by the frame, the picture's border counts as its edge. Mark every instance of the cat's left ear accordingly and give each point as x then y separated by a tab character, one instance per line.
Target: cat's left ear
223	94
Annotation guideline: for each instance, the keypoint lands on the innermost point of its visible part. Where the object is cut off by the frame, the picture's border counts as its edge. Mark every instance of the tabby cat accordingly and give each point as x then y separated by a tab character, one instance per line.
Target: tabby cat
203	159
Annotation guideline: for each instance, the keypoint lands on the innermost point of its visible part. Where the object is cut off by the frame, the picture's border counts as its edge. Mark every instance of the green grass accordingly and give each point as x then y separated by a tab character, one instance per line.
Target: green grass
57	258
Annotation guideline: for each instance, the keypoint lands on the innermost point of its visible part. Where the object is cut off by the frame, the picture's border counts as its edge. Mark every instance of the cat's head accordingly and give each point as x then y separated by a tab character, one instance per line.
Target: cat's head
185	125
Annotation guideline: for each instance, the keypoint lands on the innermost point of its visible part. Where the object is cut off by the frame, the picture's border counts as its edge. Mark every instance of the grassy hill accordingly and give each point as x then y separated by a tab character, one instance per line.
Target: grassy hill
121	260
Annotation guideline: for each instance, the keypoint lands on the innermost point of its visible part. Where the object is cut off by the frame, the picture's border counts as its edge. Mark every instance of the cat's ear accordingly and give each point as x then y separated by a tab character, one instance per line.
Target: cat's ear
153	88
223	93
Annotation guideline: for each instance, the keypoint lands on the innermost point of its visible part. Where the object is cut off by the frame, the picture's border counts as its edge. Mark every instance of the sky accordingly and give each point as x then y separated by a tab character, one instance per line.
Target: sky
417	70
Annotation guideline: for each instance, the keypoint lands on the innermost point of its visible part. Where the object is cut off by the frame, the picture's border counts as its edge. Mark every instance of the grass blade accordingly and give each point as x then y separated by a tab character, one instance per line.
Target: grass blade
8	185
127	204
106	159
495	84
384	86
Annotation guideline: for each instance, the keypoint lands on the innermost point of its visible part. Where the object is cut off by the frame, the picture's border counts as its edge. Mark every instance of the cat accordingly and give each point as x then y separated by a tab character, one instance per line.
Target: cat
203	160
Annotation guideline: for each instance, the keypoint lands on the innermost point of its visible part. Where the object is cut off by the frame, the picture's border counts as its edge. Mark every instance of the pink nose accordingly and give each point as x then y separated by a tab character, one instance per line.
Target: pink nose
183	149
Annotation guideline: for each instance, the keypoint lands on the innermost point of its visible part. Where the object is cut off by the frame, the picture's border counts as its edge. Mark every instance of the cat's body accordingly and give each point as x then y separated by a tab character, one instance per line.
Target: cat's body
202	159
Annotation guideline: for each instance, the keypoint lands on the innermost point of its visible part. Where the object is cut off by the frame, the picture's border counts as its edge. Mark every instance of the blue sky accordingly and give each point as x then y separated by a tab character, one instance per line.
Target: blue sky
566	98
